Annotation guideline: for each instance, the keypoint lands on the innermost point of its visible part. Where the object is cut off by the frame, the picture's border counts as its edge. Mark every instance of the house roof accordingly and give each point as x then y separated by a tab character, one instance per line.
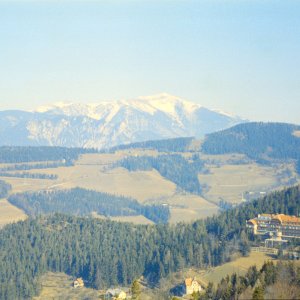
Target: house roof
79	280
253	221
188	281
280	217
287	219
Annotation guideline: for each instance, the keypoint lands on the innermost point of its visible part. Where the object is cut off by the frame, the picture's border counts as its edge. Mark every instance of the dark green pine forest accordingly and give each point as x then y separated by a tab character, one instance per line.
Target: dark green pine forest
109	253
19	154
4	188
165	145
83	202
259	141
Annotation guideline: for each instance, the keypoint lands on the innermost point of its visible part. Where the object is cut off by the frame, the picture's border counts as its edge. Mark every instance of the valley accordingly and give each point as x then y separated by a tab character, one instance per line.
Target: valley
173	197
224	180
149	150
227	178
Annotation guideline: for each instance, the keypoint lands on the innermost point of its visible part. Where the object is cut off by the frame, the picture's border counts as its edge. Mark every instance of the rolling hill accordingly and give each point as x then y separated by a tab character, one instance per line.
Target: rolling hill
256	140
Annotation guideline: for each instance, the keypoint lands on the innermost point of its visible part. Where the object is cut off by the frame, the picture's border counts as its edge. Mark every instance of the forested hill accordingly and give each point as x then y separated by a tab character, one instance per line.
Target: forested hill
256	140
165	145
4	188
183	172
17	154
108	253
81	202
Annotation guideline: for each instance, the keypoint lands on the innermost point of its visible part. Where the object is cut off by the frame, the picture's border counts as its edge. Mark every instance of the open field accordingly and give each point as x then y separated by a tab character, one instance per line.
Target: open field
21	185
239	266
229	182
186	207
93	171
140	185
10	213
226	180
189	215
59	286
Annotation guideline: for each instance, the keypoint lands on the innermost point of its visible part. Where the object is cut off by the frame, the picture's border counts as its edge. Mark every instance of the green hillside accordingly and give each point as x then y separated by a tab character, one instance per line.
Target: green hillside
19	154
165	145
109	253
256	140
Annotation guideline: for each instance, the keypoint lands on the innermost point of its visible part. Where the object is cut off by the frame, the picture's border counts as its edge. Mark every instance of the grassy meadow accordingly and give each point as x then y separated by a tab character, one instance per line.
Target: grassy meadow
226	179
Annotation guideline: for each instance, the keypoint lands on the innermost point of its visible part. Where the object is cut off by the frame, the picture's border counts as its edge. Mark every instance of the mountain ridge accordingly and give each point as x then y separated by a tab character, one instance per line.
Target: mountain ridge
107	124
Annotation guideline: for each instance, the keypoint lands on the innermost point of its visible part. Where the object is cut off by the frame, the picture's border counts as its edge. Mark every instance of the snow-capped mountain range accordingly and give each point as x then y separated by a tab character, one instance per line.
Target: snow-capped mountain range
107	124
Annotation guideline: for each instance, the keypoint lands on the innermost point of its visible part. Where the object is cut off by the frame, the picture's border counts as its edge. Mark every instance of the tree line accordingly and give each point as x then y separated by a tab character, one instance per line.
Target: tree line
165	145
29	175
259	141
82	202
43	165
19	154
176	168
4	188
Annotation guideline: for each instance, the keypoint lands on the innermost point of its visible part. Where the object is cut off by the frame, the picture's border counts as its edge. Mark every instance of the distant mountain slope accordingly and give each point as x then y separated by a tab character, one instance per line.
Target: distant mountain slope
108	124
16	154
257	140
166	145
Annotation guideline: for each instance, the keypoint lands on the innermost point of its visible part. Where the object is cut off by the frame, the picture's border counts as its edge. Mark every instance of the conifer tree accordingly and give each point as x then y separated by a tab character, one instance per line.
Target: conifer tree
136	290
258	293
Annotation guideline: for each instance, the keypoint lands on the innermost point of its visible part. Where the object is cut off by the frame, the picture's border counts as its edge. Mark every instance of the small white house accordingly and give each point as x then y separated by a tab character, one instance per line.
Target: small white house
192	286
116	294
78	283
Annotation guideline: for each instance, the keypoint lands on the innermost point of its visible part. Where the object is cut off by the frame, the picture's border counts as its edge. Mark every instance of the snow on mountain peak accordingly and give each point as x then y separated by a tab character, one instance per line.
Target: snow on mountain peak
169	103
110	123
163	102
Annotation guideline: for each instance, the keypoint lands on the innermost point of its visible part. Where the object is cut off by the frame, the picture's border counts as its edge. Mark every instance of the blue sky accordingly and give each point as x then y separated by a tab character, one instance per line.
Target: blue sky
238	56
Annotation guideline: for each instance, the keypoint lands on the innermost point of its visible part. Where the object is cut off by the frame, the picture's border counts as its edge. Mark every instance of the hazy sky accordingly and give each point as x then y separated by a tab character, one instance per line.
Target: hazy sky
238	56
